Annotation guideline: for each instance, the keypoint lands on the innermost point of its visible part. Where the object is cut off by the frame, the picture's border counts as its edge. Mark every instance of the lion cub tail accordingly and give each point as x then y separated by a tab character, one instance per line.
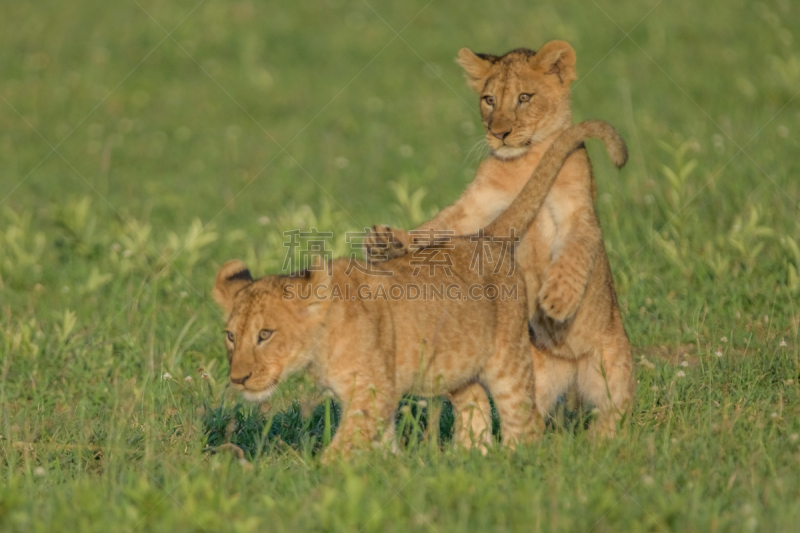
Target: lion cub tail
526	205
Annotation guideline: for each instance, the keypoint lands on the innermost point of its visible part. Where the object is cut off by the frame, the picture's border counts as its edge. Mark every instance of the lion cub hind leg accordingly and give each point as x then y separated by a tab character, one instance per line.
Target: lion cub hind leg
509	377
554	376
473	417
606	379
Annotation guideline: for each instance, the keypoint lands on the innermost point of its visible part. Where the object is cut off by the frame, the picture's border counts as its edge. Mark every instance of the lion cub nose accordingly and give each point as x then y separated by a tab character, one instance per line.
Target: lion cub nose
240	381
501	134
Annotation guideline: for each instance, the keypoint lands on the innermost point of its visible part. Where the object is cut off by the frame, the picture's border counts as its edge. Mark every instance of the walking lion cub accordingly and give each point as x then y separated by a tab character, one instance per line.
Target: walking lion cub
366	338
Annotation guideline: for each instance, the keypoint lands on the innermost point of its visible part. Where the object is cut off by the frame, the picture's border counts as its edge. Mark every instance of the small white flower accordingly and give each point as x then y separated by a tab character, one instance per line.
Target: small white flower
165	376
718	353
263	220
204	375
39	471
774	415
422	403
187	378
789	381
405	409
680	374
724	339
648	480
783	344
685	364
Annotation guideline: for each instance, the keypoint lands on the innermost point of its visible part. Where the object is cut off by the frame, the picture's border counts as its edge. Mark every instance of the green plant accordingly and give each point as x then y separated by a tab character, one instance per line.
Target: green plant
409	207
21	249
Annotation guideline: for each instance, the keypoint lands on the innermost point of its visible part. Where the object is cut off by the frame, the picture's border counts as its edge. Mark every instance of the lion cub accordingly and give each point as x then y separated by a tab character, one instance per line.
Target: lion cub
578	337
371	349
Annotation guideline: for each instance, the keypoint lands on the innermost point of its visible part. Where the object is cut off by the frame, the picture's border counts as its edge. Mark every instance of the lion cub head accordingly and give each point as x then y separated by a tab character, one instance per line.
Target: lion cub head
524	94
268	334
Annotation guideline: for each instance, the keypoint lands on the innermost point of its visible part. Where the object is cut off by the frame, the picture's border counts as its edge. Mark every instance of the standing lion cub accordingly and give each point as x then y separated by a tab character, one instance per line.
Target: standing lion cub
464	325
578	337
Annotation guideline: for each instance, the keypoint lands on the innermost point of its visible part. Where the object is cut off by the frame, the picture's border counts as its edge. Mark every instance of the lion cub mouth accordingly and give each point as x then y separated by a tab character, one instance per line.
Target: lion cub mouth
258	396
510	152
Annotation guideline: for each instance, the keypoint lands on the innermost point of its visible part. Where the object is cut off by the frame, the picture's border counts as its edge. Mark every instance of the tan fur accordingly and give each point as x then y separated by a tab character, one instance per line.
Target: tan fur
577	331
370	351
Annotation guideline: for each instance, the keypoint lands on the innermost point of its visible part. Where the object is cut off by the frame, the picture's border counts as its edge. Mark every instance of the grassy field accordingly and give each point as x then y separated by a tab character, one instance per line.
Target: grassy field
145	142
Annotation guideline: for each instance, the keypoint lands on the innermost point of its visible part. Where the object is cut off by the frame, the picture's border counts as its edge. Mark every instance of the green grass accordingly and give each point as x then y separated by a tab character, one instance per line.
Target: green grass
170	160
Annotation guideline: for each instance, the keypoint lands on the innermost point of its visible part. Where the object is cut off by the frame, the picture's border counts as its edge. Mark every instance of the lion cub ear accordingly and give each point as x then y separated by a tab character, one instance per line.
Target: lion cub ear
231	278
476	67
557	58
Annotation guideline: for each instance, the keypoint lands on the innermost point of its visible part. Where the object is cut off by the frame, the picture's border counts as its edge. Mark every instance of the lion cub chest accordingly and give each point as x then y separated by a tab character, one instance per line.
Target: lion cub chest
567	206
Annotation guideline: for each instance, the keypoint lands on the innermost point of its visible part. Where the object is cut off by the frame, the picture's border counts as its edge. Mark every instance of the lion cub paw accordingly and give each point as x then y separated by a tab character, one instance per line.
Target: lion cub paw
383	243
558	298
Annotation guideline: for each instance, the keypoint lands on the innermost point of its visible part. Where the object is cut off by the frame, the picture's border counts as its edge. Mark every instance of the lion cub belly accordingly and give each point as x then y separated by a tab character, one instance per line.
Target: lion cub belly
442	343
439	353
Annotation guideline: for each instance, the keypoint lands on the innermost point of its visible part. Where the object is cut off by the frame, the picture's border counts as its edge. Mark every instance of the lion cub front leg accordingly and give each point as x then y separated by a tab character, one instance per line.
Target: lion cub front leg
362	420
565	279
383	243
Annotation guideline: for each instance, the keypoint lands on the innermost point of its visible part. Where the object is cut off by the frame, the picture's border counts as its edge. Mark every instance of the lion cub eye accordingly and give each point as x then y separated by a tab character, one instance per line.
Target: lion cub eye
231	336
264	334
524	97
489	99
